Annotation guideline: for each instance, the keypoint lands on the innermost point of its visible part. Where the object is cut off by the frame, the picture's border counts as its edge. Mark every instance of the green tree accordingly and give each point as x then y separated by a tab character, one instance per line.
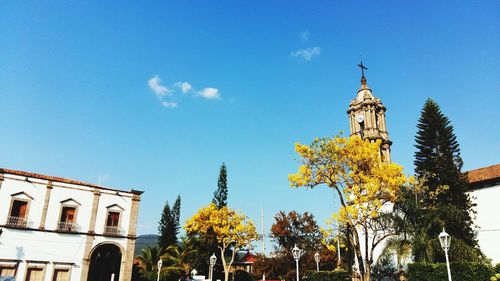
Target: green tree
290	229
220	195
169	224
148	259
296	229
176	215
438	161
179	258
412	218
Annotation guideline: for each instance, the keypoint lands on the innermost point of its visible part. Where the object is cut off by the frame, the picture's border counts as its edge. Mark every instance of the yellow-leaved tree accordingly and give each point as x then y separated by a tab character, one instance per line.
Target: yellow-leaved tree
233	230
366	187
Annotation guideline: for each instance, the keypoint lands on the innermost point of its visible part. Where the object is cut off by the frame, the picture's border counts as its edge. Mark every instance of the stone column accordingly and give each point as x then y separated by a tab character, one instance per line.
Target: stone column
128	256
368	118
1	180
89	239
46	205
382	125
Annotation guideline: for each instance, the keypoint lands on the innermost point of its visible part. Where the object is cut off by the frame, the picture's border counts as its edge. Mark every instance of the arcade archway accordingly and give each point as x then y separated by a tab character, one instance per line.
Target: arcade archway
105	263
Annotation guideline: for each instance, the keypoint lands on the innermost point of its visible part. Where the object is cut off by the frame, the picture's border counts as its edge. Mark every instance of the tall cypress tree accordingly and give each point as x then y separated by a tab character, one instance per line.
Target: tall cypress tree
438	160
220	195
176	215
168	228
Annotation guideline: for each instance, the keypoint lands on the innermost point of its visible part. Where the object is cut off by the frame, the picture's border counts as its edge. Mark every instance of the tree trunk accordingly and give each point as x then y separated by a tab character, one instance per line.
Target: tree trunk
367	271
357	250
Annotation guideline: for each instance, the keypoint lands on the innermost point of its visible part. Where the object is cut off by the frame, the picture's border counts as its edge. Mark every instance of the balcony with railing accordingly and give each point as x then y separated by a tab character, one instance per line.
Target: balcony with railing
67	226
19	222
112	230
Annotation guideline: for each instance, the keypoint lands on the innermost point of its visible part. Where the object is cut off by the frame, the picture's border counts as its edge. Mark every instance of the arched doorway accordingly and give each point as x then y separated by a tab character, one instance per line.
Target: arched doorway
105	263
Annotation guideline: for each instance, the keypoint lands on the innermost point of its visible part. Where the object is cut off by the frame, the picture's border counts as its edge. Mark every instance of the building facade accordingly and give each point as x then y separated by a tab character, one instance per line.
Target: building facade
57	229
485	192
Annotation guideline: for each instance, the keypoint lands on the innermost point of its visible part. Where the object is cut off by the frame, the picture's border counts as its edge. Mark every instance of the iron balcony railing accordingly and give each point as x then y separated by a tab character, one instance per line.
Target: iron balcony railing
111	230
17	221
68	226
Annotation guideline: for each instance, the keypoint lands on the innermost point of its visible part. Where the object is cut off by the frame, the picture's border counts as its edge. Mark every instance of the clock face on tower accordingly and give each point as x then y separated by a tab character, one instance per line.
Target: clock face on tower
360	118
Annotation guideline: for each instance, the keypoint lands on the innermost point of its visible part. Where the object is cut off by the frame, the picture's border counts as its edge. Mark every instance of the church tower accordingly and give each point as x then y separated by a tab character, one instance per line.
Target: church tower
367	117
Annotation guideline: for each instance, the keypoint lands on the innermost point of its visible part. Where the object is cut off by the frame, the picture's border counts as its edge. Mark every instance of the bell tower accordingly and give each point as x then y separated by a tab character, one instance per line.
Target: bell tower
367	117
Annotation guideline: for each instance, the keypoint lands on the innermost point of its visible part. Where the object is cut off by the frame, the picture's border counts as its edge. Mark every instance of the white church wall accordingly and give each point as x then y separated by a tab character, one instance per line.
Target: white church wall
487	221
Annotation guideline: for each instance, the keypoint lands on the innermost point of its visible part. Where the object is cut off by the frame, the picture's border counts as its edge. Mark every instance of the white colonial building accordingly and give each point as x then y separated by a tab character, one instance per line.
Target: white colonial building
485	192
57	229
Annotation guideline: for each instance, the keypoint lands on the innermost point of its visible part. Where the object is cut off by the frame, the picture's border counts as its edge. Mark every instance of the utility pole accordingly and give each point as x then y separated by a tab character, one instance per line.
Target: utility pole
263	239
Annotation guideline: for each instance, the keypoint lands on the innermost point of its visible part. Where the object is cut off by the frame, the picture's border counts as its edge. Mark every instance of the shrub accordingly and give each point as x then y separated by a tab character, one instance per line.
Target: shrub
241	275
336	275
463	271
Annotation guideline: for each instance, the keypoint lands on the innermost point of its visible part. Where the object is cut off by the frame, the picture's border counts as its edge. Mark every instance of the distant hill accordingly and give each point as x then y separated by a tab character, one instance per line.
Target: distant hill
144	241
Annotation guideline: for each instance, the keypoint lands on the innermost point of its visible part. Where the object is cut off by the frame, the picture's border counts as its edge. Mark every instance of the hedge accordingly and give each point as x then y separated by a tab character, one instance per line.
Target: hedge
337	275
242	275
463	271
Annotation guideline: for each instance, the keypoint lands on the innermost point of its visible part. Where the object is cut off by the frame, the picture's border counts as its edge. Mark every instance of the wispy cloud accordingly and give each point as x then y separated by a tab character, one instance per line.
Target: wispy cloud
184	86
169	104
209	93
304	35
169	97
306	54
155	85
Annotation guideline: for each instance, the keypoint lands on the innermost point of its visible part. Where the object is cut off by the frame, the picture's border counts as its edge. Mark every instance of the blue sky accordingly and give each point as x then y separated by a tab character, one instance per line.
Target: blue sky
93	90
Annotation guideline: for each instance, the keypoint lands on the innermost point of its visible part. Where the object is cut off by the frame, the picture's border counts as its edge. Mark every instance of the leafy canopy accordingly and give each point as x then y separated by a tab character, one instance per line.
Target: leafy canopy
231	230
354	168
230	227
366	186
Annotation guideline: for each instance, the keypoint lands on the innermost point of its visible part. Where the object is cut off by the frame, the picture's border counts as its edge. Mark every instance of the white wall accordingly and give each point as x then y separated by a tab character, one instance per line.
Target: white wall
488	221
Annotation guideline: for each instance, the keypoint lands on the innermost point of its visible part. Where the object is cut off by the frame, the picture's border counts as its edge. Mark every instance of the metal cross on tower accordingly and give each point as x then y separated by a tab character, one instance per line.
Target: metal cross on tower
363	68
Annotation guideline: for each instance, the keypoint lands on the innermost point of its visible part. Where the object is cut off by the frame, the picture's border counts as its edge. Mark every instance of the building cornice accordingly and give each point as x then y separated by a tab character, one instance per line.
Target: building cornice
133	237
63	180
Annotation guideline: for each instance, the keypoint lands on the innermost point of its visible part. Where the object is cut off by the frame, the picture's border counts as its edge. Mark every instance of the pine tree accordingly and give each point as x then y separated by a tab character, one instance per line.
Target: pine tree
169	224
438	160
220	195
176	214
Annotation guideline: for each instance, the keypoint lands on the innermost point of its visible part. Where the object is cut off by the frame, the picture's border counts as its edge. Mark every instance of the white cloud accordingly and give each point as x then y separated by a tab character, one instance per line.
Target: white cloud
185	86
304	35
306	54
169	104
209	93
154	84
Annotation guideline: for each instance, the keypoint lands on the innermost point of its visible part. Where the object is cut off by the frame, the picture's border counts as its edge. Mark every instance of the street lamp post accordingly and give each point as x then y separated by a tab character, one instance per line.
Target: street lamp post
193	273
160	262
317	258
296	252
213	259
338	247
444	240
